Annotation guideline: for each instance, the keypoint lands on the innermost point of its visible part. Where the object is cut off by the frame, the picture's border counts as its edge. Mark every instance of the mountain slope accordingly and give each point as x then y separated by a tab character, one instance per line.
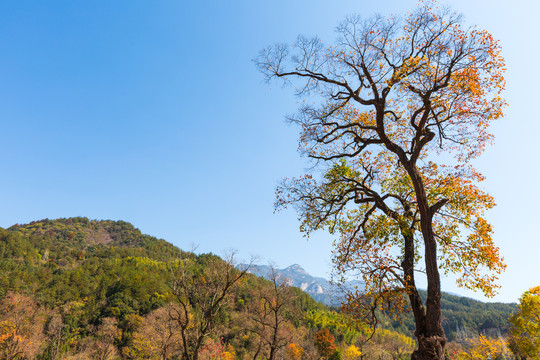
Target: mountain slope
109	265
91	287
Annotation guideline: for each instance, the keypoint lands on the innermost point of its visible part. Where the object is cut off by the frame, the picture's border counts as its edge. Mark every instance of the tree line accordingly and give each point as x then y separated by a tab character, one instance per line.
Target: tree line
75	288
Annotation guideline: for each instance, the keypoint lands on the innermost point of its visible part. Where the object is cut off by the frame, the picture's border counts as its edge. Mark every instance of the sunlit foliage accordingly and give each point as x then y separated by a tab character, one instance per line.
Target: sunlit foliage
117	301
393	113
525	330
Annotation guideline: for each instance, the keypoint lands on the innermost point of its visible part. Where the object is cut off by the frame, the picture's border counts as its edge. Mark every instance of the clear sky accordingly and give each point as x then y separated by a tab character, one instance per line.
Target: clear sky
152	112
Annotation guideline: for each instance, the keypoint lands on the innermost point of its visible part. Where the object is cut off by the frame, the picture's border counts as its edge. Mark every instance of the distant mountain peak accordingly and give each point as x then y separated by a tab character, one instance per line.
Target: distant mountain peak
319	288
295	267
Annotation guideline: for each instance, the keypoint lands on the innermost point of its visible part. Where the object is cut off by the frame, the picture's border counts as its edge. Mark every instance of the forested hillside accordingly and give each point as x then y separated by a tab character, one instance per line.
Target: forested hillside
77	289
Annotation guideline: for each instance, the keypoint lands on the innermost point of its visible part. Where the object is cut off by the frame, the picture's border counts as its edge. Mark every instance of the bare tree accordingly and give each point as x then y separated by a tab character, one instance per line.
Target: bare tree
55	336
158	335
201	288
21	327
270	324
105	335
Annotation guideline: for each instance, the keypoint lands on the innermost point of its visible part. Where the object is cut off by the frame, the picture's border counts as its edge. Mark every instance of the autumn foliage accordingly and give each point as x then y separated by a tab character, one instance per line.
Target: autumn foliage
21	327
525	339
393	113
119	301
324	341
483	347
294	352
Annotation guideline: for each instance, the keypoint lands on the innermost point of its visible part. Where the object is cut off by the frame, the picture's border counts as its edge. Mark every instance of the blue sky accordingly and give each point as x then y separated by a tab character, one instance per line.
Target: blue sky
152	112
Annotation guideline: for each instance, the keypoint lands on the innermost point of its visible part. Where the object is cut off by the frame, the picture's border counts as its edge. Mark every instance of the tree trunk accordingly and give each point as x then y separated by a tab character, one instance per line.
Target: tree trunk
429	332
429	348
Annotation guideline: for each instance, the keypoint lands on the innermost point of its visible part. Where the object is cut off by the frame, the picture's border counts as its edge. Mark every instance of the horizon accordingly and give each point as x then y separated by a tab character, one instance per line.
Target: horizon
269	263
154	113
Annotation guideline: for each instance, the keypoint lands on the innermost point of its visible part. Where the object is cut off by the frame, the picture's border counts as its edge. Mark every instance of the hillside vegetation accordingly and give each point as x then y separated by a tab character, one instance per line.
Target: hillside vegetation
462	316
83	289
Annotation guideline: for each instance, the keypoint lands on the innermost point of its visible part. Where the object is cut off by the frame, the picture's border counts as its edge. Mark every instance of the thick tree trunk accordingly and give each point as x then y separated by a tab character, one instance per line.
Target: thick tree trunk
429	332
429	348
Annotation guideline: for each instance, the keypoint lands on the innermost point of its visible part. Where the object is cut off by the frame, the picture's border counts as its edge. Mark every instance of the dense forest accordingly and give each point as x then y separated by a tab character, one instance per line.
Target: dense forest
85	289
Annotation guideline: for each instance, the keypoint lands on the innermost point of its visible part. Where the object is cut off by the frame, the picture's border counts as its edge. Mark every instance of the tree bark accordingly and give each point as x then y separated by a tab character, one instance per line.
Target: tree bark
429	332
430	335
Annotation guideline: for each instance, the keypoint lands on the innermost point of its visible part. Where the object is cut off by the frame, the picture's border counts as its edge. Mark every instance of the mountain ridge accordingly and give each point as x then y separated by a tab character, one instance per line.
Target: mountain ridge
318	288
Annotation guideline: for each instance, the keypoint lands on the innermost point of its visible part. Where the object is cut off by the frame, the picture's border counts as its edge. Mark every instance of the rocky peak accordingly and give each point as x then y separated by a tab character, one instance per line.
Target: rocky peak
295	269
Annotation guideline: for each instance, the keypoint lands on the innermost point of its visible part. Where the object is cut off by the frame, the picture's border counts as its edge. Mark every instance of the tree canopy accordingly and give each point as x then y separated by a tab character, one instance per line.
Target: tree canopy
393	113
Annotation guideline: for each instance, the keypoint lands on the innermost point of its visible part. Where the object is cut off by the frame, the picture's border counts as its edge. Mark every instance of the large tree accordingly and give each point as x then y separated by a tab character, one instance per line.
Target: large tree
393	113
